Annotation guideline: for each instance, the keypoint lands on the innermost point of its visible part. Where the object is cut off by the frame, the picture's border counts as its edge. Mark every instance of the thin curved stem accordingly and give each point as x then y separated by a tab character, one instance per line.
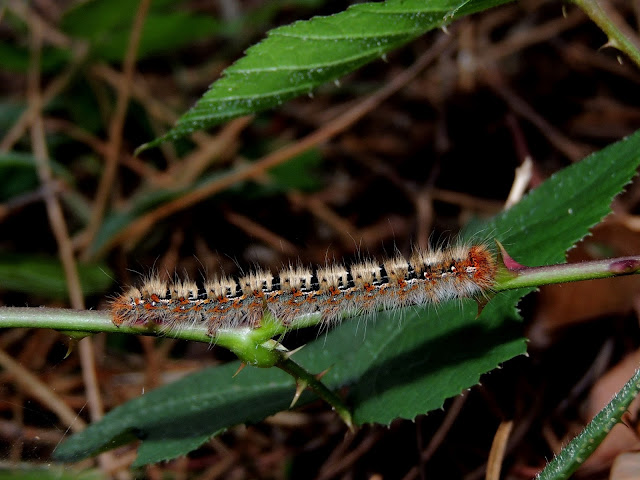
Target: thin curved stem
579	449
520	277
85	322
304	379
616	34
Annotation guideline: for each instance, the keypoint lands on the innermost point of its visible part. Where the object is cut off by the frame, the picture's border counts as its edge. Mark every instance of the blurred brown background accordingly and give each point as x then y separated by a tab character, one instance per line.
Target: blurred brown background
528	79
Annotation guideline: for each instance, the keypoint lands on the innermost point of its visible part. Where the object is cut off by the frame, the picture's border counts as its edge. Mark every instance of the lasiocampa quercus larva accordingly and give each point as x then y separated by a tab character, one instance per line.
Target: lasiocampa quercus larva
429	276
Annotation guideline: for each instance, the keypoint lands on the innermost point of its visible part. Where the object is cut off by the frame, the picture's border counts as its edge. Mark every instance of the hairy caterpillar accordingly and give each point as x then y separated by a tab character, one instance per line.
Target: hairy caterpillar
429	276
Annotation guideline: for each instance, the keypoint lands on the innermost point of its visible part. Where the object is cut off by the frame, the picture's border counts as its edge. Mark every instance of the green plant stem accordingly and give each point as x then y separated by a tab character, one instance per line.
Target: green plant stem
305	379
579	449
255	346
244	341
86	321
252	346
508	279
617	38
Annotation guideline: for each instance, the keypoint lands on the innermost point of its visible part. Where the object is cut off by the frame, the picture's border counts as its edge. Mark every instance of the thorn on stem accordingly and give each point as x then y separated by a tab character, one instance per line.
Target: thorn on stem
290	353
300	386
242	365
322	373
611	43
507	260
72	343
349	423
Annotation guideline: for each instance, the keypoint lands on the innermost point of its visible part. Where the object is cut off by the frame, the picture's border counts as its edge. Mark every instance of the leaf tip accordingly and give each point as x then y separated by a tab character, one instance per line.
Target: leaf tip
155	142
142	148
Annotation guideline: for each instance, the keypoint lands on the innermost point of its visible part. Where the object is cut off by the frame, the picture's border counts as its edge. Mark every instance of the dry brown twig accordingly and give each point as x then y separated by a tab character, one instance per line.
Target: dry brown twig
141	225
116	127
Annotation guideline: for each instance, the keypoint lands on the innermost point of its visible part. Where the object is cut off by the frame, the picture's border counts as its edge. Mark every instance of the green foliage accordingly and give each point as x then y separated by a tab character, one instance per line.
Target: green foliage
297	174
19	170
27	472
40	275
297	58
398	365
14	58
106	24
401	363
582	446
44	277
140	204
200	405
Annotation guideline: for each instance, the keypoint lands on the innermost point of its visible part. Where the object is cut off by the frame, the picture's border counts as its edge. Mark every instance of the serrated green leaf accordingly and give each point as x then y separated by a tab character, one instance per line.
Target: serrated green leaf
295	59
574	454
402	363
414	364
177	418
457	348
